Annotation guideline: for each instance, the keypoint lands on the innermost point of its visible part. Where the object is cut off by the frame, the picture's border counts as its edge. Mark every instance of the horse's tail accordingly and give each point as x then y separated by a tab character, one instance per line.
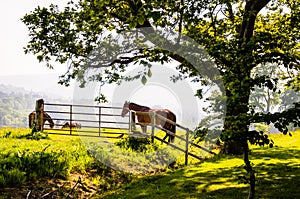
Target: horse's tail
31	119
173	128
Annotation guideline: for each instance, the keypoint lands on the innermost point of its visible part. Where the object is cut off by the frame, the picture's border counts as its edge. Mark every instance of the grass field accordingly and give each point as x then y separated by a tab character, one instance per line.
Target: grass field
278	176
58	166
62	167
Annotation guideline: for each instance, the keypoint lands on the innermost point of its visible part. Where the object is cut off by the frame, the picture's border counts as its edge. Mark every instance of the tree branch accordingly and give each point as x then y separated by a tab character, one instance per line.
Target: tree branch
126	60
230	12
252	8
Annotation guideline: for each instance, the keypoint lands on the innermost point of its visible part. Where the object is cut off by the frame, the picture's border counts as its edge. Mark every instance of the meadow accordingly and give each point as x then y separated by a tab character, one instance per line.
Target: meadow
277	173
60	166
51	166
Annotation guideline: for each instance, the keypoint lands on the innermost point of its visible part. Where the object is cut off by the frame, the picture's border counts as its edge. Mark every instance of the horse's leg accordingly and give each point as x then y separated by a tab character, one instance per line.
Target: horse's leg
144	129
165	136
133	122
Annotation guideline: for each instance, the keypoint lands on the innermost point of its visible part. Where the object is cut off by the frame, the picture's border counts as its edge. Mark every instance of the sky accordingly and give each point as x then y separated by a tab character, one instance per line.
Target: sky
16	67
24	70
14	36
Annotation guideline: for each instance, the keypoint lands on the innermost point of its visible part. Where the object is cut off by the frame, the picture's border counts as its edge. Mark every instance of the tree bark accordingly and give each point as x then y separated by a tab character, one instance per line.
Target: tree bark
249	170
238	94
235	125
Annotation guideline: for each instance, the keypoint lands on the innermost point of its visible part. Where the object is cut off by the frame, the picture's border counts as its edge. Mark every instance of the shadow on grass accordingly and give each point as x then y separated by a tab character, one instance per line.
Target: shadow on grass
178	185
279	153
275	179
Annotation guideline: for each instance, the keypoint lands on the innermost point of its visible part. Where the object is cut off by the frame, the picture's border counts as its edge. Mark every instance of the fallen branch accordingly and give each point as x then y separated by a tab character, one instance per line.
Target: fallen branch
78	181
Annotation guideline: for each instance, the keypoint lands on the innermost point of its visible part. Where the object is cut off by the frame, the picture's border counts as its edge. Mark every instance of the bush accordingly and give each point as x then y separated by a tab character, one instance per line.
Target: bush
15	177
142	145
16	167
12	178
2	181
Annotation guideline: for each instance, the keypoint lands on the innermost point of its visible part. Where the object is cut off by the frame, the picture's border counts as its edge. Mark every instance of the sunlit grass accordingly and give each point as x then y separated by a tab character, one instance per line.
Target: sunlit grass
15	139
25	160
277	168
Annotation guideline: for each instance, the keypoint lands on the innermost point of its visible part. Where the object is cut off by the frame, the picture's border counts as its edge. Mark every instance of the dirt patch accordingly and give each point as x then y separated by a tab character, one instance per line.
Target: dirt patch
76	186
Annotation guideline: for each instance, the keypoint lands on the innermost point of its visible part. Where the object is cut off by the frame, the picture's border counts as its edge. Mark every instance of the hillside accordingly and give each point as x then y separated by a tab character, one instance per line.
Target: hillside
16	103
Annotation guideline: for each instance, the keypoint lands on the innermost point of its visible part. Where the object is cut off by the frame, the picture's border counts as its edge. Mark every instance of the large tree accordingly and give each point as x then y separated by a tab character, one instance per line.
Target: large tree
238	36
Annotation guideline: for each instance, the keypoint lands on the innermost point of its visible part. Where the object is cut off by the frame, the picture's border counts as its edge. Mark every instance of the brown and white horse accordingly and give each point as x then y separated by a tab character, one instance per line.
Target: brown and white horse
46	117
145	119
71	125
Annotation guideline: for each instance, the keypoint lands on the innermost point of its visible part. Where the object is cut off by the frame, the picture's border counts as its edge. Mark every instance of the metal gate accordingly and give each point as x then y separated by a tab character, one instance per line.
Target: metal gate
107	122
83	120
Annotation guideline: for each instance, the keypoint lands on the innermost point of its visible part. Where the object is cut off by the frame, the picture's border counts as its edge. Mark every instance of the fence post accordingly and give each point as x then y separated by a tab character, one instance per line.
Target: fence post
99	130
39	120
153	121
129	120
187	146
71	113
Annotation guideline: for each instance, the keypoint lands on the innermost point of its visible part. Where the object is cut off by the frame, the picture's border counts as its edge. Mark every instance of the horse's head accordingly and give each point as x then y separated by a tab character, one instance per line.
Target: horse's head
65	125
49	119
125	109
52	125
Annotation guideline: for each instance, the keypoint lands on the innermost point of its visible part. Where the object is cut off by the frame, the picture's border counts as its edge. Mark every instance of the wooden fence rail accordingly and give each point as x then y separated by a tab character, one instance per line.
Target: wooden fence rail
187	138
102	124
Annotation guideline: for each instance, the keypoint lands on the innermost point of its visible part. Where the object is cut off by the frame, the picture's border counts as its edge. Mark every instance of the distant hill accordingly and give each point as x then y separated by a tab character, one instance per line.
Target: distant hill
17	102
44	84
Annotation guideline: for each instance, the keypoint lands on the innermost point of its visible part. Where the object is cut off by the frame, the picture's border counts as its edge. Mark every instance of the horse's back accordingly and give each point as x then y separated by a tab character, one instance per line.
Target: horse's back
165	113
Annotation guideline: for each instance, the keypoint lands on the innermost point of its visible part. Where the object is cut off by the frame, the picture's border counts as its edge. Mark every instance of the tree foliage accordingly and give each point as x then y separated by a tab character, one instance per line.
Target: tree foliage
238	36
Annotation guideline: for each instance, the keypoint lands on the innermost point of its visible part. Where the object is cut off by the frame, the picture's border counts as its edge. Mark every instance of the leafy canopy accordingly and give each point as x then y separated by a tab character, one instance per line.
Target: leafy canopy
238	36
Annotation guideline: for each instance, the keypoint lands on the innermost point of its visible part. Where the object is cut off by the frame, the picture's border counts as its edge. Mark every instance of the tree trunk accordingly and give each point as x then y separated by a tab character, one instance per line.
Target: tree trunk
236	123
249	170
238	93
232	148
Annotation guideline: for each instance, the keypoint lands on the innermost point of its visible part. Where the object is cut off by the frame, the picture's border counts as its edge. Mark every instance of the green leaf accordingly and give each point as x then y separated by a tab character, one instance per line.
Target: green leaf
144	80
271	145
155	16
141	20
149	73
132	24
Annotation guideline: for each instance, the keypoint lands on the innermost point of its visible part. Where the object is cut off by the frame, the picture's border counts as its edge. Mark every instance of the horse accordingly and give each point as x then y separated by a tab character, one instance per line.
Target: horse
71	125
145	119
46	117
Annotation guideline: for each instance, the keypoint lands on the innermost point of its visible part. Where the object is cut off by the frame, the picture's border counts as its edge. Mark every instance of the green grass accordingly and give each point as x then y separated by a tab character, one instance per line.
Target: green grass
278	169
278	176
54	164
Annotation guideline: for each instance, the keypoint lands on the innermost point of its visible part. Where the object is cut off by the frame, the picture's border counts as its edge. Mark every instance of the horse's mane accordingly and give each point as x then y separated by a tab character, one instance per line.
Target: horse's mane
138	107
48	118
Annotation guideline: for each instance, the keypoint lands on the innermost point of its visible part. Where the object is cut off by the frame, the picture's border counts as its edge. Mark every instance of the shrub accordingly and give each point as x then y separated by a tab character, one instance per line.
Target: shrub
15	177
137	144
2	181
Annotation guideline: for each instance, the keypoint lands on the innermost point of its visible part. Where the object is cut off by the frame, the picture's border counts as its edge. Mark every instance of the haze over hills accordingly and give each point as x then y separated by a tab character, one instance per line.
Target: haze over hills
19	93
45	84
